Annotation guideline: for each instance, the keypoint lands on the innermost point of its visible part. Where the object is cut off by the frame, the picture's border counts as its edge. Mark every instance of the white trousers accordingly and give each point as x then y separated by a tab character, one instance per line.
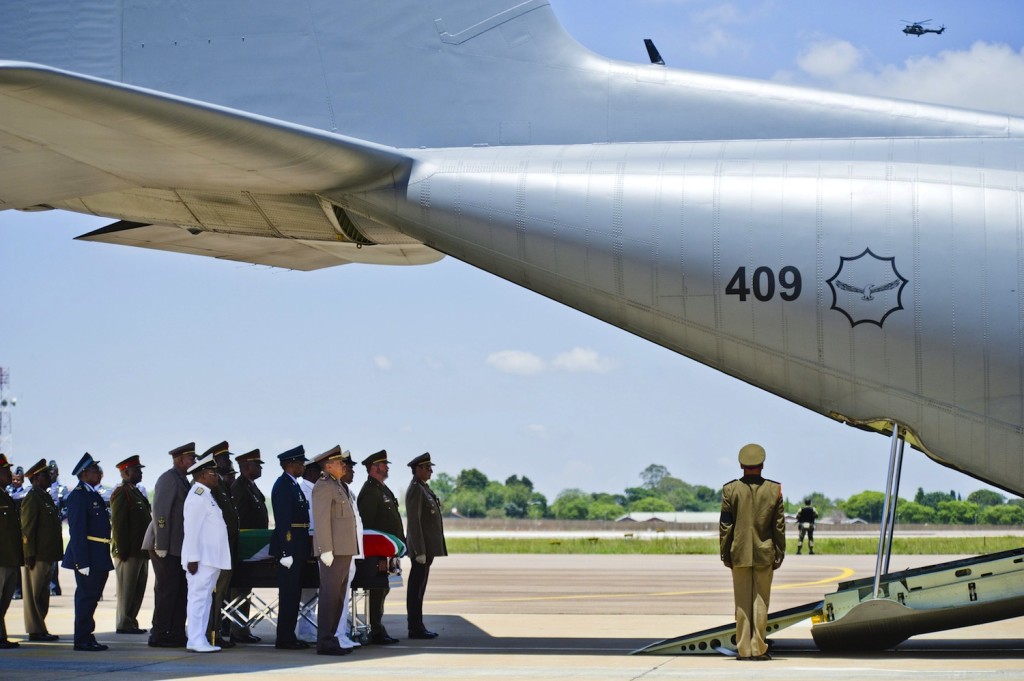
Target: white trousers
200	599
345	623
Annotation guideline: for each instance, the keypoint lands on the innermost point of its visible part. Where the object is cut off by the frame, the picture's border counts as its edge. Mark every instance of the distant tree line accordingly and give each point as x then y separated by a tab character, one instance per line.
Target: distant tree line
471	494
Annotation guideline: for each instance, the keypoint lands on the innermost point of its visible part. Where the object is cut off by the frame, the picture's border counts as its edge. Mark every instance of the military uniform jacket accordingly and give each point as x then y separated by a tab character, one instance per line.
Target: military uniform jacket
334	524
130	515
205	539
10	532
291	519
222	494
378	508
251	505
166	531
42	534
89	530
752	527
425	528
807	514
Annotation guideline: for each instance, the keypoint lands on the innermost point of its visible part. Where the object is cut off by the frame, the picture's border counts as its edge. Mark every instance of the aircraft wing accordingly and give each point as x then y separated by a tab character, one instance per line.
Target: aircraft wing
190	176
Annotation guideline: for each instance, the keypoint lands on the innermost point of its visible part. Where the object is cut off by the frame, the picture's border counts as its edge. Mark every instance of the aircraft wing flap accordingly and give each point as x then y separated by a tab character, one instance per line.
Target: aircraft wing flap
96	135
294	254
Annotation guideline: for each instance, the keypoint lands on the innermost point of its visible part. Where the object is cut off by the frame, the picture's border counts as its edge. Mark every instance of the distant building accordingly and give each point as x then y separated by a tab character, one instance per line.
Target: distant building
684	517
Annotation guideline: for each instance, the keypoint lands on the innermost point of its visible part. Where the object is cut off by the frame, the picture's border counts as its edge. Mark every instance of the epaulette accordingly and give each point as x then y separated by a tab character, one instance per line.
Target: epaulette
199	490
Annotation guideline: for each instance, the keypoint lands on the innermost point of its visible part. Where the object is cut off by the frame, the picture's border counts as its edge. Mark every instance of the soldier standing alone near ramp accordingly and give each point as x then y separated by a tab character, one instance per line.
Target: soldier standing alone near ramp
752	538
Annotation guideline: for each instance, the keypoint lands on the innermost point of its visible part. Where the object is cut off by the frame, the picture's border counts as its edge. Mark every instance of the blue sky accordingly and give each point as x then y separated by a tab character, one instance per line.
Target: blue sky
122	351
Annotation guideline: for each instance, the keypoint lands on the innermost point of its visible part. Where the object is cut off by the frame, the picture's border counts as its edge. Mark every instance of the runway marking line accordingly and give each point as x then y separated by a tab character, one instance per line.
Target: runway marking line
844	574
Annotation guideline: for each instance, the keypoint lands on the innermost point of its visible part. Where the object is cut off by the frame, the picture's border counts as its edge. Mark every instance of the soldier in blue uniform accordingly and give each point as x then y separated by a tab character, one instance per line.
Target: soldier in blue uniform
290	544
88	551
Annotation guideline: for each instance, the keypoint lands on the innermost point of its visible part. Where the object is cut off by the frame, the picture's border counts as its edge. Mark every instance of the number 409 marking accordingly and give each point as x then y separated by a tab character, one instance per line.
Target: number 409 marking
763	284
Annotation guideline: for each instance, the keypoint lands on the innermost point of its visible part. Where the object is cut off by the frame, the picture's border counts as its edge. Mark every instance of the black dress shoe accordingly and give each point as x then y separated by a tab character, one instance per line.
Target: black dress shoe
165	643
7	645
334	651
246	638
43	637
382	639
132	631
224	642
422	634
292	645
91	647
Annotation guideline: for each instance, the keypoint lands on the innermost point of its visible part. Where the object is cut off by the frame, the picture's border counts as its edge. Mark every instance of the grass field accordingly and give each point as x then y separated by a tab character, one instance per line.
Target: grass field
670	545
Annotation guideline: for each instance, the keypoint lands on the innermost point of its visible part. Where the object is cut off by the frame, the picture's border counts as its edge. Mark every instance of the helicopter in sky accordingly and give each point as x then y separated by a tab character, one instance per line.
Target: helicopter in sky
918	28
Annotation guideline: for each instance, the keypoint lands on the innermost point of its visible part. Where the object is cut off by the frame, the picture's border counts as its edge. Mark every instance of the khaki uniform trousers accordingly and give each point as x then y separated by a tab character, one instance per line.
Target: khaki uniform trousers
132	576
221	591
35	591
751	588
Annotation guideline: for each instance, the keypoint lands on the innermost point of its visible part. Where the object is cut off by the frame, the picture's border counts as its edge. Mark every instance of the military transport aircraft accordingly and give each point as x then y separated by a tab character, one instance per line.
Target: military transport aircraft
858	256
917	28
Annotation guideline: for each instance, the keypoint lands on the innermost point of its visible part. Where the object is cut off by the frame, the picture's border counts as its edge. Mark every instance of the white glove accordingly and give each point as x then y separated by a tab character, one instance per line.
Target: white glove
161	553
84	571
421	559
287	562
327	557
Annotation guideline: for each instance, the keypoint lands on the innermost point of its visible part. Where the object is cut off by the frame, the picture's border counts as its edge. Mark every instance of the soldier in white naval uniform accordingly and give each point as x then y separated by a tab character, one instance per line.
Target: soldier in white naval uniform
204	552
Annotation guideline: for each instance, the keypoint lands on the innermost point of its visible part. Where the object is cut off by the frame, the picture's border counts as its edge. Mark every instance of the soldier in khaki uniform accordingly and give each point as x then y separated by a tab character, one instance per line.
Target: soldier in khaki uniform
251	505
752	538
42	540
426	540
163	541
10	549
378	508
222	494
130	515
335	542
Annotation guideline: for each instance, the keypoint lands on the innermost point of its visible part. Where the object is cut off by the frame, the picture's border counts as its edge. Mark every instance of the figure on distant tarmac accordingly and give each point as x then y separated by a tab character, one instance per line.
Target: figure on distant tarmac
805	523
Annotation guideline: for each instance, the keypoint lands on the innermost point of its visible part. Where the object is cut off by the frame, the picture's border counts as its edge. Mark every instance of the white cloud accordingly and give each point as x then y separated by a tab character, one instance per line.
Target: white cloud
516	362
536	429
579	360
830	59
382	363
983	77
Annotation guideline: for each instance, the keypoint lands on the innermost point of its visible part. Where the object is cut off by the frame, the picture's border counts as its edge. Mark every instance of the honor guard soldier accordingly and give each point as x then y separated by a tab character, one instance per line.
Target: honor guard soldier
805	519
305	629
59	494
289	544
130	515
17	489
163	541
251	505
378	508
335	542
752	538
425	534
11	558
42	540
88	551
222	494
204	552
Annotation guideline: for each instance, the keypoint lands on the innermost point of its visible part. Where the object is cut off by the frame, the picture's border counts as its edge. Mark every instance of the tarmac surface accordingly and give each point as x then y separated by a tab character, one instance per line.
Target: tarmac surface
544	617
